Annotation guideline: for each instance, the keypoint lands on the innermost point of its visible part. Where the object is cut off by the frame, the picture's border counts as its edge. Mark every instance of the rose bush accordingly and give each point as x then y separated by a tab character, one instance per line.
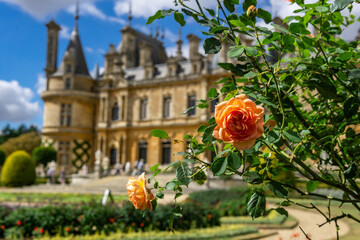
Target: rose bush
309	83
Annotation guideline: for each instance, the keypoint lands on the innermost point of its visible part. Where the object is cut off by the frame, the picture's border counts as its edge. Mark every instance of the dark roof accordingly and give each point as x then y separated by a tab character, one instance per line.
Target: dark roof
158	53
74	51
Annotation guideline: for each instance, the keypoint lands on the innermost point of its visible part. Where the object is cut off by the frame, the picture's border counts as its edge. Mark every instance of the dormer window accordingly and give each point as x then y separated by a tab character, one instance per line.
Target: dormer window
68	68
67	83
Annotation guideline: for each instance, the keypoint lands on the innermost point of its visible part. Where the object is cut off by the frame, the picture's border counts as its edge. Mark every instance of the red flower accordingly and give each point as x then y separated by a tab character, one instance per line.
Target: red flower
2	227
112	220
67	229
295	235
36	228
142	224
133	224
19	223
42	231
209	216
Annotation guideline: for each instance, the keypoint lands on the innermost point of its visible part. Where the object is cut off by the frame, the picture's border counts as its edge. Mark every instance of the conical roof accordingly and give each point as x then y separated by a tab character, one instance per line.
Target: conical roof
74	52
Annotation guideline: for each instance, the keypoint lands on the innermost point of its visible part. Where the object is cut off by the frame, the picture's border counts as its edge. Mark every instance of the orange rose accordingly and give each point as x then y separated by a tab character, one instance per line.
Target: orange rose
139	194
239	121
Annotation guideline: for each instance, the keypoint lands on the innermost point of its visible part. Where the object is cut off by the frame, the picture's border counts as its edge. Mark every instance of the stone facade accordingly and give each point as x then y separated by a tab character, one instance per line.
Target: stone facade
140	90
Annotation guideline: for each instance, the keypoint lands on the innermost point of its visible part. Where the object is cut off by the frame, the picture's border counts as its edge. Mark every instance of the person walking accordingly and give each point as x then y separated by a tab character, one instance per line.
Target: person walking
140	167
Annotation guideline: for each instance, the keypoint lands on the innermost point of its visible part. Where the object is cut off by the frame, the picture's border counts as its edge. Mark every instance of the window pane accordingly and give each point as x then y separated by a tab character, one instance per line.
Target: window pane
166	152
143	108
115	112
68	83
68	121
166	110
192	103
113	155
143	151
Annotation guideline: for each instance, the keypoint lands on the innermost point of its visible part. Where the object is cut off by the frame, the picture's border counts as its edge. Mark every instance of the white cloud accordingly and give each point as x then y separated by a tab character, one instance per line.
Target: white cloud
100	50
65	32
40	9
41	83
89	49
87	8
146	8
117	20
16	102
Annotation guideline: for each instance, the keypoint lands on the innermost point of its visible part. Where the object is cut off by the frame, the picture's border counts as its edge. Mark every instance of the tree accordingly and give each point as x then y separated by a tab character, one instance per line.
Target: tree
27	142
44	155
7	132
307	84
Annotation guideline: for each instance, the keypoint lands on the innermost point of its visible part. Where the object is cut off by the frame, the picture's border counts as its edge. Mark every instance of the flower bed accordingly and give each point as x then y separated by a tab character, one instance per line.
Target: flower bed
95	218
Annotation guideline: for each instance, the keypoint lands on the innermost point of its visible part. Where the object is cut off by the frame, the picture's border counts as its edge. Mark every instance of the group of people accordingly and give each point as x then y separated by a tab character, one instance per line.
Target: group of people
137	169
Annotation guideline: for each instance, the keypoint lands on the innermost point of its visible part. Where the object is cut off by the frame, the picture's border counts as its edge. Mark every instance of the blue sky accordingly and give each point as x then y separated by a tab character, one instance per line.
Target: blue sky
23	42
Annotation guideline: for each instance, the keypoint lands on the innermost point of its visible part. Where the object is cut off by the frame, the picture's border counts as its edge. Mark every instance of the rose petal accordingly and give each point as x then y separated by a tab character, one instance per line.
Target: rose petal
244	144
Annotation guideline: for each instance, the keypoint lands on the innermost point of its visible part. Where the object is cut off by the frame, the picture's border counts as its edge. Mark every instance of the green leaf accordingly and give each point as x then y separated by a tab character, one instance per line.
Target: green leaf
250	75
179	18
274	136
208	134
153	168
154	203
266	102
160	195
159	133
172	165
351	171
212	93
230	4
230	95
157	15
311	185
322	9
218	29
345	56
264	15
178	211
219	166
256	205
277	189
200	177
170	185
339	5
233	160
236	52
292	136
289	42
252	51
183	173
212	45
282	211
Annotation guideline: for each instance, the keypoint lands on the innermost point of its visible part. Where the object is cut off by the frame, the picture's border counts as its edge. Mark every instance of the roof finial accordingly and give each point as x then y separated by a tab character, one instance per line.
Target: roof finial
162	34
150	34
157	31
130	13
76	16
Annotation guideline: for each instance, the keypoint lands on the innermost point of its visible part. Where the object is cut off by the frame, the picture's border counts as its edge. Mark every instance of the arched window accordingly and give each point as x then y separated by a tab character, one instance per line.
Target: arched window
115	112
113	156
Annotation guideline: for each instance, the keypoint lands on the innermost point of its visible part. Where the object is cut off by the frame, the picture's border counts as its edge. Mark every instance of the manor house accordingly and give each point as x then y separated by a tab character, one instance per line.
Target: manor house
141	89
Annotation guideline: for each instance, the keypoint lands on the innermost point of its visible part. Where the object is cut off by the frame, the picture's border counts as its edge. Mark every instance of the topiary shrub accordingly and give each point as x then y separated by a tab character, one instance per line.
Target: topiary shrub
18	170
44	155
2	157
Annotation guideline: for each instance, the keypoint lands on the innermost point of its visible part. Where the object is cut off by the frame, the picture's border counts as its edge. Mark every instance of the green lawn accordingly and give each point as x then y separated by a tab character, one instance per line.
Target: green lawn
55	197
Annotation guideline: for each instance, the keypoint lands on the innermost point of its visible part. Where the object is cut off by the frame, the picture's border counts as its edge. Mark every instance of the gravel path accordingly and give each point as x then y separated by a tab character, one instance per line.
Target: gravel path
309	221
